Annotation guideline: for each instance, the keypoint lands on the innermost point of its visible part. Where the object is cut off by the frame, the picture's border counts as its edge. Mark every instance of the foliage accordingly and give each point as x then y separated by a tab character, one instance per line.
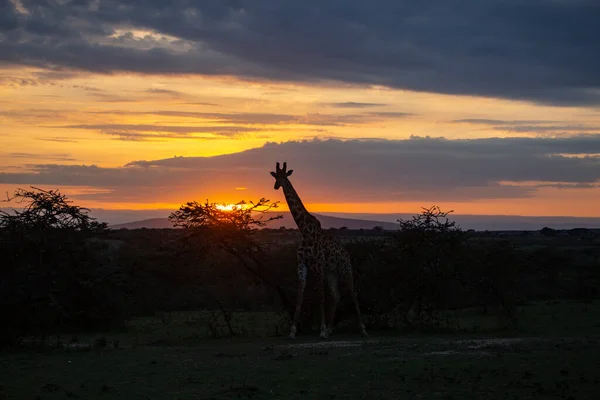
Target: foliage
47	209
548	231
219	227
52	275
430	267
410	283
62	270
216	229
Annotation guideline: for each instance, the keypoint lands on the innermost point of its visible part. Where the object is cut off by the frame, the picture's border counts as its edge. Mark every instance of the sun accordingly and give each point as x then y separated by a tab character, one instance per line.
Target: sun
231	207
225	207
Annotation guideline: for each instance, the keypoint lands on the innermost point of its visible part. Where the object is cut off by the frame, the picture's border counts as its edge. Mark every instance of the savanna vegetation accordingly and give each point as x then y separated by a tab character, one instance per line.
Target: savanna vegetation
107	311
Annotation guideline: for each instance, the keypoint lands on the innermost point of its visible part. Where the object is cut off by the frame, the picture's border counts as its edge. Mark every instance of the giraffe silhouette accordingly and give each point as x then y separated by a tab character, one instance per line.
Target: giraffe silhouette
320	254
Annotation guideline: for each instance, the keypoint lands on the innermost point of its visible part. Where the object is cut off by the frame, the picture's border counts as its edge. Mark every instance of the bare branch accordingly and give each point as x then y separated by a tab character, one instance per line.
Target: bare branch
47	209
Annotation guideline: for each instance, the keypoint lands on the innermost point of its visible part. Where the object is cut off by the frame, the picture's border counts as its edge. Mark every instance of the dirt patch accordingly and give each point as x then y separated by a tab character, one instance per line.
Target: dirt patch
470	347
324	344
493	342
457	352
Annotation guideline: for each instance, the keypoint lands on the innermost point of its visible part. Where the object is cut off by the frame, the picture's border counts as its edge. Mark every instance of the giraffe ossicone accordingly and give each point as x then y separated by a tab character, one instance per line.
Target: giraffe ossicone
319	254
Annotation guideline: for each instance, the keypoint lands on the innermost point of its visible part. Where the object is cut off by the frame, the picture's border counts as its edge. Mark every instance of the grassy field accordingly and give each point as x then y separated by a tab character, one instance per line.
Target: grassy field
554	355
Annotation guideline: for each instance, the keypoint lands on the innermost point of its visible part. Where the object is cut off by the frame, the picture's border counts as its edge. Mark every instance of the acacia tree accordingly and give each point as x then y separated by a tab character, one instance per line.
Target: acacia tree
429	244
411	280
214	228
48	275
47	209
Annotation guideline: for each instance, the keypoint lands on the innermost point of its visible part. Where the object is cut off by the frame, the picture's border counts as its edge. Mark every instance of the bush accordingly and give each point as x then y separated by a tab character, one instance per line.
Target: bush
52	275
430	267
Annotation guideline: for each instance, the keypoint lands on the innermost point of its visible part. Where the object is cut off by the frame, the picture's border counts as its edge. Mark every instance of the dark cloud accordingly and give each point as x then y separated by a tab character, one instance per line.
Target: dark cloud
50	77
352	104
544	51
416	169
567	185
551	128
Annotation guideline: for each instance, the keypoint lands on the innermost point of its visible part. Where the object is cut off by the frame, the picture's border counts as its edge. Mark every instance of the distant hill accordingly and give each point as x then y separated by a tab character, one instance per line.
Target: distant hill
287	221
496	222
151	223
134	219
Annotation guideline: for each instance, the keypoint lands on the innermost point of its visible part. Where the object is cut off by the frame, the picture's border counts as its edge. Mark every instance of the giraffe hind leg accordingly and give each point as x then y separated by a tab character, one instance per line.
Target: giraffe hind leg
324	333
353	293
320	281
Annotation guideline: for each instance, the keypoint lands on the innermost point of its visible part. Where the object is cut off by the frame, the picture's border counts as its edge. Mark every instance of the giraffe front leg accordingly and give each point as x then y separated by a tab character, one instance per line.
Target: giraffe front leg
350	282
332	285
302	275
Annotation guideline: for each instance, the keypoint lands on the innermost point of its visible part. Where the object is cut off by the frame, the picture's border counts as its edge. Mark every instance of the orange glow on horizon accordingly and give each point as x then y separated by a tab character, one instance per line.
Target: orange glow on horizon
547	202
112	120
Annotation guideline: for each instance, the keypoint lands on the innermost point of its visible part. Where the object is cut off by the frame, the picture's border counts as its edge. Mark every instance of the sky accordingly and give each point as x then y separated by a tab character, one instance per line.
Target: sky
482	107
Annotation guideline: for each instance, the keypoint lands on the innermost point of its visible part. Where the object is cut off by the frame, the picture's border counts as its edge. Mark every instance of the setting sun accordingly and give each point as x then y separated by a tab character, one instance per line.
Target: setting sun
230	207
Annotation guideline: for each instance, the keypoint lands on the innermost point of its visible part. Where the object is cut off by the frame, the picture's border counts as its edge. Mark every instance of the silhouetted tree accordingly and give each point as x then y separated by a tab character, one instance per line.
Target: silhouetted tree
214	228
413	281
50	275
44	210
548	231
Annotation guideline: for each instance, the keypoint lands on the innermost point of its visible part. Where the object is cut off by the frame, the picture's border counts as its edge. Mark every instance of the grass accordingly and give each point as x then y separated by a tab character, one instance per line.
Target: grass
555	355
179	327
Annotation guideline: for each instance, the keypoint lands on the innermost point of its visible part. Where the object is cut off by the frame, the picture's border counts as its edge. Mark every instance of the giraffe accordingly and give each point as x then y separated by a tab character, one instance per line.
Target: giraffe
320	254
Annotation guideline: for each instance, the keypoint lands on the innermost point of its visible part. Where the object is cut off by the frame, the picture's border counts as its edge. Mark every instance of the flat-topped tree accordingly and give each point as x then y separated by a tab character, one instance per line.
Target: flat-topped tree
320	254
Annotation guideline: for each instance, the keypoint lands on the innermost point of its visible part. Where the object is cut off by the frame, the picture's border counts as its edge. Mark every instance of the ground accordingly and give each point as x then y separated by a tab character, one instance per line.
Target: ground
562	362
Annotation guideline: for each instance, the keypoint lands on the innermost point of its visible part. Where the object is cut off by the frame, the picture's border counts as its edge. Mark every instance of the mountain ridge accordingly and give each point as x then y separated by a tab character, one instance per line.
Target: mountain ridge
287	221
369	220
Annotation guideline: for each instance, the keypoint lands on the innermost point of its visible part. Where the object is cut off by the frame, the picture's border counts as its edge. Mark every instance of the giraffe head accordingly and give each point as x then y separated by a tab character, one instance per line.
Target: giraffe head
280	175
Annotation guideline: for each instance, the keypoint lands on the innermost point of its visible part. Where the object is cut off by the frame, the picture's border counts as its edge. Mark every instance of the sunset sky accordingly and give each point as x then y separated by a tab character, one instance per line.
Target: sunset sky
484	107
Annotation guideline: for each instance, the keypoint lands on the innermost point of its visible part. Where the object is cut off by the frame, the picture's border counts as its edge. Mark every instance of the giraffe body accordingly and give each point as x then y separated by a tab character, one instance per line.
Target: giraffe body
319	254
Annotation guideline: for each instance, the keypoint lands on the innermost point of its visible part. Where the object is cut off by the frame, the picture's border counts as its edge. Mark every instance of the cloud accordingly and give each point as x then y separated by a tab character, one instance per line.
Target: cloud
60	139
33	113
498	48
138	132
551	128
531	126
49	156
247	118
416	169
391	114
52	77
352	104
483	121
202	104
167	92
112	98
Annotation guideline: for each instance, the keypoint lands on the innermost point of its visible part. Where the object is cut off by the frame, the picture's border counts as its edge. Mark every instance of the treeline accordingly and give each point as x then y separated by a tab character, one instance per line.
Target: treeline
62	271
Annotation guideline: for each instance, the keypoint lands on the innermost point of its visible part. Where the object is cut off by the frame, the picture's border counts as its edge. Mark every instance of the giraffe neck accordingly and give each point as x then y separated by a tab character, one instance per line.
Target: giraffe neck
306	222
